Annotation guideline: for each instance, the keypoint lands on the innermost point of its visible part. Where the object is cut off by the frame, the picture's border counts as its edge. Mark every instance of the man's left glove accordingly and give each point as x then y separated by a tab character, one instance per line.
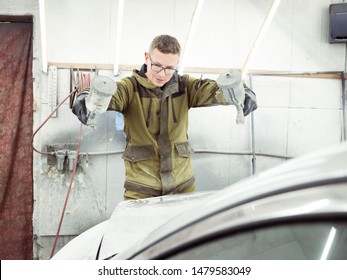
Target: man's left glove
250	103
79	107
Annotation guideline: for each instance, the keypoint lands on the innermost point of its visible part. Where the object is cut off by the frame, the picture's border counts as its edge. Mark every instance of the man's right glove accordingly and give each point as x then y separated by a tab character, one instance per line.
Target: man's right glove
79	107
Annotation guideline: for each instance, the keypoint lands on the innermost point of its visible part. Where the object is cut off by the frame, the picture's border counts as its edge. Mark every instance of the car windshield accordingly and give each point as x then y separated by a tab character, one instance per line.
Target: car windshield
294	241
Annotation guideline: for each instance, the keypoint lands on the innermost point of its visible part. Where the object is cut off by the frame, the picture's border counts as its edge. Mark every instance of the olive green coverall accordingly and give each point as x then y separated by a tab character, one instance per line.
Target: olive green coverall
157	155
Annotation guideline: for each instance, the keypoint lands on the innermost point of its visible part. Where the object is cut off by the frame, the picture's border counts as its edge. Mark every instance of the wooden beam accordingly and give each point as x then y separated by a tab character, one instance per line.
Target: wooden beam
81	66
317	75
23	18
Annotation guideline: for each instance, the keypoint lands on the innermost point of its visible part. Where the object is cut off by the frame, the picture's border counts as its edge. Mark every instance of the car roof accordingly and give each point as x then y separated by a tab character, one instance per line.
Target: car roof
324	167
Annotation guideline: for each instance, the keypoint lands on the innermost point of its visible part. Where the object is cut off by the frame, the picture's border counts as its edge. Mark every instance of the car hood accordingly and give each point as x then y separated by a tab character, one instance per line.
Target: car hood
129	222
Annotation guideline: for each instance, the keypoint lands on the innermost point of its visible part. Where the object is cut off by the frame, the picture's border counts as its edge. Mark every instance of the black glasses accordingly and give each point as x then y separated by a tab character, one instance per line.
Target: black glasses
158	68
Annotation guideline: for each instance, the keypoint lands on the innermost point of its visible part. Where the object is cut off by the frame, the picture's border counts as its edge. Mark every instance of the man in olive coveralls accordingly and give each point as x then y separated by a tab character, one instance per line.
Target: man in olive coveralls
154	102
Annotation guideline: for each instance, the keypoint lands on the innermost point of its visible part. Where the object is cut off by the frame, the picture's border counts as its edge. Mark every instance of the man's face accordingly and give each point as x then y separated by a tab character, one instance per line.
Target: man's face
160	66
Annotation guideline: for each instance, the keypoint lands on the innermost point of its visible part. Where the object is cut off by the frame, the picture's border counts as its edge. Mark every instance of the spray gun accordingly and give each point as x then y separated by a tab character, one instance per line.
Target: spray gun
101	90
231	84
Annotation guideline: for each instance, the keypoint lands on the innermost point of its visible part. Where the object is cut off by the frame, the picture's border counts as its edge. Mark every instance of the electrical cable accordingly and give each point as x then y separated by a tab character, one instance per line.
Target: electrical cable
69	189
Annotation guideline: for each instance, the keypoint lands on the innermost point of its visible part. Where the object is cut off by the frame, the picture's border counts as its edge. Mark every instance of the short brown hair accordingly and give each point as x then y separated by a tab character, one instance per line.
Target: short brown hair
166	44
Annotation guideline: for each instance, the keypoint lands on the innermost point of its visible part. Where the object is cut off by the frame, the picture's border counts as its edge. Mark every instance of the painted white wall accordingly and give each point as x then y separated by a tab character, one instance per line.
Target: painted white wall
84	31
295	115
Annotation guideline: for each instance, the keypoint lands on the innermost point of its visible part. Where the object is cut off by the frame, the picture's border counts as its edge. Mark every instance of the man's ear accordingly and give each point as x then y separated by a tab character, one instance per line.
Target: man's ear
146	57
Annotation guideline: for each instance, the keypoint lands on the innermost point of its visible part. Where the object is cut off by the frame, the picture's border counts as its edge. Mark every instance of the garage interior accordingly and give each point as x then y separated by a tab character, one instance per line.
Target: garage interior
49	47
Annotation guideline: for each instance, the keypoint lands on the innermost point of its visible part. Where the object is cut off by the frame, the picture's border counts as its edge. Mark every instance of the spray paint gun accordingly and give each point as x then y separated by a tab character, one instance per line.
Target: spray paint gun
101	90
231	84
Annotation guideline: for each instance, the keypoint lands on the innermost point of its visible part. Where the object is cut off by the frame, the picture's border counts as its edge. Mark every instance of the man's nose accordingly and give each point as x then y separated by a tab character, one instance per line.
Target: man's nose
162	72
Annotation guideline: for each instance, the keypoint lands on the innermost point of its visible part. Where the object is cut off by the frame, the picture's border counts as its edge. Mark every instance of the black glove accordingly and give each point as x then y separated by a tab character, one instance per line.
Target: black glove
79	107
250	103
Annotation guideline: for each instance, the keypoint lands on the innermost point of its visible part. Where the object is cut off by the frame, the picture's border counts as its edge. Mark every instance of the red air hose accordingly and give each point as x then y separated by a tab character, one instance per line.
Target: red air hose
86	80
69	189
45	121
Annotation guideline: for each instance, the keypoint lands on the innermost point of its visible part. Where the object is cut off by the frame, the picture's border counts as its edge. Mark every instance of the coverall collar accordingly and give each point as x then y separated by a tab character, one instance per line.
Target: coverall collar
144	81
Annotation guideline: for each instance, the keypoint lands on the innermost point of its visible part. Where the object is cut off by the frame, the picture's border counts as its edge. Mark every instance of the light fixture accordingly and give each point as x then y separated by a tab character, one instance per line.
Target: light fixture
43	35
118	37
190	35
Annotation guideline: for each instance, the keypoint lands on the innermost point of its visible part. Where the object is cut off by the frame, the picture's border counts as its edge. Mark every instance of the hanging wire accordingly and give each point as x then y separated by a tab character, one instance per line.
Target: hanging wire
84	80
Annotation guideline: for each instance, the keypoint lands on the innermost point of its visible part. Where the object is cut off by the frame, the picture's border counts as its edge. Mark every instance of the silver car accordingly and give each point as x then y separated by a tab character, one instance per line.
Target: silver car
297	210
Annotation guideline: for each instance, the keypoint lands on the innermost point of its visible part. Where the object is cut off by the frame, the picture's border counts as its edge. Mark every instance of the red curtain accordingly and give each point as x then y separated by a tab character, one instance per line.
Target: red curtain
16	157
